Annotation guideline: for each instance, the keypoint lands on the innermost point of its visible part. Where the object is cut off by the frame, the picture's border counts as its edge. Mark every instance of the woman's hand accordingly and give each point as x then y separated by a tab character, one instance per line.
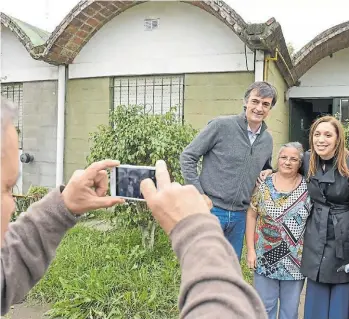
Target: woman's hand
251	259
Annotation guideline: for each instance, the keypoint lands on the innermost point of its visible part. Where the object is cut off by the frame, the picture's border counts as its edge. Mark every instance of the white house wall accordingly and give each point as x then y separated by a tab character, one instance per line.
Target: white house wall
17	65
188	40
328	78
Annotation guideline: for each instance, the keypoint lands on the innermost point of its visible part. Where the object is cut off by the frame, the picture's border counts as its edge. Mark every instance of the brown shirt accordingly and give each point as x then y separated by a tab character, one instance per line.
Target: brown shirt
212	285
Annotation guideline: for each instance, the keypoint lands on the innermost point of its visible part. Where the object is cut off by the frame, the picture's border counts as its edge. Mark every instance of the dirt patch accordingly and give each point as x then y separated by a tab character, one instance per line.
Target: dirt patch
27	311
101	225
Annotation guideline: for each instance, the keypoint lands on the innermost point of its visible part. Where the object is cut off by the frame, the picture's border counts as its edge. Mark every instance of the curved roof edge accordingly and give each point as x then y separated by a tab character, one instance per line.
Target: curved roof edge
328	42
88	16
32	38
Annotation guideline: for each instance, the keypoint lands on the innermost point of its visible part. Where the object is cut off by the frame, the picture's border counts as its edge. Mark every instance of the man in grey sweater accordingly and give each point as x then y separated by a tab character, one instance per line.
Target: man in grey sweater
235	150
211	286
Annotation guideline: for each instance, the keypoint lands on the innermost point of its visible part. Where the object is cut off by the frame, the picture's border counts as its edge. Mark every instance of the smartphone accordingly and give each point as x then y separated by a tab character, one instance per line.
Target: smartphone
125	181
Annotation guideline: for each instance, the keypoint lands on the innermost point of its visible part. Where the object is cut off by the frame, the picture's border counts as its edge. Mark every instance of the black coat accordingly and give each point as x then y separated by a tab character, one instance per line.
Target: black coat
326	239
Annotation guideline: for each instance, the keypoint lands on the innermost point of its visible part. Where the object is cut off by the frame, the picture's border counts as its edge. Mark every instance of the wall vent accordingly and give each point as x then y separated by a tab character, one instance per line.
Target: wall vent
151	24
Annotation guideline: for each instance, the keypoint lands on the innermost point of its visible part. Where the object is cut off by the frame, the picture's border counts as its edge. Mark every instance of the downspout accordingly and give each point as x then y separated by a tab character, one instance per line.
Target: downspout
62	81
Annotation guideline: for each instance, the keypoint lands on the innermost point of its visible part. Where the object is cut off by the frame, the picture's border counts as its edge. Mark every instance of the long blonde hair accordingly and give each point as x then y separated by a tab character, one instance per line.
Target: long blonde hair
341	152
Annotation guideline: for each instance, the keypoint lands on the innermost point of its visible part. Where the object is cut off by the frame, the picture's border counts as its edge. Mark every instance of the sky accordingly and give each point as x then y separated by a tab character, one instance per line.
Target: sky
301	20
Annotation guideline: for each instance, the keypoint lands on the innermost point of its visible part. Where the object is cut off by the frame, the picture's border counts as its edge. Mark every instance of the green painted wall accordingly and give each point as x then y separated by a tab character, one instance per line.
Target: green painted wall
208	95
278	119
87	106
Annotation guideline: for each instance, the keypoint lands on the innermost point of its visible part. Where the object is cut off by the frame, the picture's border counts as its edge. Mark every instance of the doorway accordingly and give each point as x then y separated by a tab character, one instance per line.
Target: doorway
303	113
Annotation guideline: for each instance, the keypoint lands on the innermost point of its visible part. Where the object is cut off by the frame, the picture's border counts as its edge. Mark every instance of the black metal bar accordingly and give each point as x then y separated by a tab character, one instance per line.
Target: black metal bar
111	97
153	95
128	91
136	91
120	91
183	98
162	95
179	97
145	91
170	92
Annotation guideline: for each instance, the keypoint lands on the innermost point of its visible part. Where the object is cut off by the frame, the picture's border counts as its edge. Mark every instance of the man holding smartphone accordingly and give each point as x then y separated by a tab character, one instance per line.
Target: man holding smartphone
235	149
211	283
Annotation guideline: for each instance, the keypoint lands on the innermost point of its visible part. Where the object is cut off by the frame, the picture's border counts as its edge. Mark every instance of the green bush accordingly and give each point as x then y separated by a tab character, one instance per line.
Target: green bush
22	202
136	138
346	128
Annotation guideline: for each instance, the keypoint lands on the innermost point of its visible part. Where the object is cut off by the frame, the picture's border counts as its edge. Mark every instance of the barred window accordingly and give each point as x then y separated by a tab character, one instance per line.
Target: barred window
157	94
14	92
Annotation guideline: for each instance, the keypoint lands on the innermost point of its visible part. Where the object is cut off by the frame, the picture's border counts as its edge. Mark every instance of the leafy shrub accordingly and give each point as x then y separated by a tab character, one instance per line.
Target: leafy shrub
346	128
136	138
22	202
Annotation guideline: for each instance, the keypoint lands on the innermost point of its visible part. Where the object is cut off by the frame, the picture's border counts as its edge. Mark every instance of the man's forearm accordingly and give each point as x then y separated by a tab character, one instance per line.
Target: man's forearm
189	167
212	282
192	154
30	245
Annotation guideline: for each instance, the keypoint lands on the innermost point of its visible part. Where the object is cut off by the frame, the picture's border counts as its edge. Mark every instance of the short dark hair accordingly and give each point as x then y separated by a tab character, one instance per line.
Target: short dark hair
264	90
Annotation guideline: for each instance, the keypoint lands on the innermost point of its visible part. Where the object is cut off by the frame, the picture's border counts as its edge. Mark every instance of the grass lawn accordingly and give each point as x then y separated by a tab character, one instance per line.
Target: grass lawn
109	275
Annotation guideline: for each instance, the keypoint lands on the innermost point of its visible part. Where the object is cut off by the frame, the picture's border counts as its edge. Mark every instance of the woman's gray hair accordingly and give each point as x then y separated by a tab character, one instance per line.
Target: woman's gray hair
298	146
8	114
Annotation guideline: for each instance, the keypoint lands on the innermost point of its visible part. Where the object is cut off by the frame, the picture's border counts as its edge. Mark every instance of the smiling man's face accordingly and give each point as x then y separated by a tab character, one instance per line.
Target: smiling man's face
257	108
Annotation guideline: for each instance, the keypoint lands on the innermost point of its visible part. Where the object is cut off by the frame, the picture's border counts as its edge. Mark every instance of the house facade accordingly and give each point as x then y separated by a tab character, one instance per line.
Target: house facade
322	70
198	56
32	86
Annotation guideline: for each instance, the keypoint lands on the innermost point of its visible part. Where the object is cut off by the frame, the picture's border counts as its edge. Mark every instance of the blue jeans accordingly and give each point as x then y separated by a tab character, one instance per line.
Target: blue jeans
233	225
326	301
272	290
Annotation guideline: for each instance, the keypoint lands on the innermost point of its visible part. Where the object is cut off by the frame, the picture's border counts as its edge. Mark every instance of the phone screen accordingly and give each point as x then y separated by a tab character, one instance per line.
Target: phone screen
126	181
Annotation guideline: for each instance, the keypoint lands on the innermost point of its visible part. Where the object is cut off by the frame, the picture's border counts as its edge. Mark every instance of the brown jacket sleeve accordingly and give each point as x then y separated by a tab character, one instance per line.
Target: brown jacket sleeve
30	245
212	284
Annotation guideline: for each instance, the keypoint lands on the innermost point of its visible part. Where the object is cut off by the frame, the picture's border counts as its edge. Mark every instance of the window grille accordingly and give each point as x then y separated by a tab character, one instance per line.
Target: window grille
14	92
157	94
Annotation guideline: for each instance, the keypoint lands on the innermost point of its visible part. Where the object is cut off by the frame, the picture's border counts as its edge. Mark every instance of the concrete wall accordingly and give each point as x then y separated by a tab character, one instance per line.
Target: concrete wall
87	106
208	95
40	133
187	40
16	63
328	78
278	119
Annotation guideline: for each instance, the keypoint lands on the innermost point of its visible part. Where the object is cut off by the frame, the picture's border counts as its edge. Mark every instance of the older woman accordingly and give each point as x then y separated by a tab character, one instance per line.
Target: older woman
326	241
275	227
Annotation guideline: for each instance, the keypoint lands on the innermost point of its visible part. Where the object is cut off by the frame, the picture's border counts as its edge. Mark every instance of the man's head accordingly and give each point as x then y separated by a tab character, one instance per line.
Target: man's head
9	162
259	99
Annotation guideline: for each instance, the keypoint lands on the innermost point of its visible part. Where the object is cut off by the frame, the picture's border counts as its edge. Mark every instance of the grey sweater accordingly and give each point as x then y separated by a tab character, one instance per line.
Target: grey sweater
230	166
212	285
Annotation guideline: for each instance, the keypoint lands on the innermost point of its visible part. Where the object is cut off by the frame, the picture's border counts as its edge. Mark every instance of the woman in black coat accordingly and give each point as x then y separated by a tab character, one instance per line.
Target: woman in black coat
326	240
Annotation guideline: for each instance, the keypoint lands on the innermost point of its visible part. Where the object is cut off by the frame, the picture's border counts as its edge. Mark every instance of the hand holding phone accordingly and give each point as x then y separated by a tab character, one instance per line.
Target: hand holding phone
125	181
